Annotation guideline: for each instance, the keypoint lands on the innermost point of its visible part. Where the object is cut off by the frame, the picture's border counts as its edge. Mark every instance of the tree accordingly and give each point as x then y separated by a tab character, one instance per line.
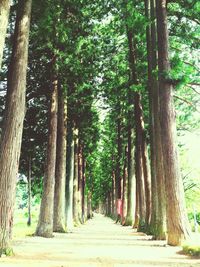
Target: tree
70	179
158	215
76	189
13	123
177	221
60	174
45	223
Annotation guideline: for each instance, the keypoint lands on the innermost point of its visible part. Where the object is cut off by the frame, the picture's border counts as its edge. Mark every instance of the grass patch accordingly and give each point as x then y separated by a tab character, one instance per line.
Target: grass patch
21	229
192	246
191	250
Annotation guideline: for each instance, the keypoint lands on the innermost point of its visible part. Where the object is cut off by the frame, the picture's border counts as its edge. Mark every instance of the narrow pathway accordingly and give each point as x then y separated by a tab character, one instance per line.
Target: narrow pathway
100	242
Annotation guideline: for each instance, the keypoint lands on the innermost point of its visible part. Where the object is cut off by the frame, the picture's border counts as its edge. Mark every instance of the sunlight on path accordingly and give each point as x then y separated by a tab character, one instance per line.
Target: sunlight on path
98	243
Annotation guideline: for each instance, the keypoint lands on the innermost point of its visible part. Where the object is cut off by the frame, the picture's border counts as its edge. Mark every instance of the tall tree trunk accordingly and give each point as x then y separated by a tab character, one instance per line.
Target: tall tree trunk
146	172
60	173
80	177
29	190
139	163
89	206
177	222
69	179
150	53
119	155
118	174
131	201
83	188
137	206
45	223
131	197
75	186
161	216
13	123
142	168
158	217
113	195
4	15
124	196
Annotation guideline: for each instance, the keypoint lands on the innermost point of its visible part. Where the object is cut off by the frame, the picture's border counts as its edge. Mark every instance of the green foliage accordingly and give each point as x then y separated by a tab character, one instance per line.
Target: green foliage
7	252
22	195
191	250
88	41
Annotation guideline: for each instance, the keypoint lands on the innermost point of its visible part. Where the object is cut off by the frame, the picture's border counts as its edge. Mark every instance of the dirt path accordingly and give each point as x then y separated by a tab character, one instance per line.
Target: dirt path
98	243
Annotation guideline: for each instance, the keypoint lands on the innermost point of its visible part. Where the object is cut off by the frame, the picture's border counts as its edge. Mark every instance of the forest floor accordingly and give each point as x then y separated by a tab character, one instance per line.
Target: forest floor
100	242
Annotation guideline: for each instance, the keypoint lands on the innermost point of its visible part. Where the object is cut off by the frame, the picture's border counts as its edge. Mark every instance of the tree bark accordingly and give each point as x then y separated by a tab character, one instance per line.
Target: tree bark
45	223
177	222
4	16
83	188
75	186
89	206
13	123
158	217
139	163
137	207
80	177
124	196
113	200
69	179
118	166
131	205
131	198
161	216
29	191
60	173
151	54
147	180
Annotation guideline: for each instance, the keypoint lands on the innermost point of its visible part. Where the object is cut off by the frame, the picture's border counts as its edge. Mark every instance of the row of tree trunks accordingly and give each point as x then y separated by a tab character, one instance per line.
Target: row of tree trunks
75	183
4	15
167	187
136	165
66	168
142	170
142	174
13	121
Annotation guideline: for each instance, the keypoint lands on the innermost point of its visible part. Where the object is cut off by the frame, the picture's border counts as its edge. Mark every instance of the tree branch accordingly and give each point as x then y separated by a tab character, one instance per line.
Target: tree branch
193	89
187	102
193	83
